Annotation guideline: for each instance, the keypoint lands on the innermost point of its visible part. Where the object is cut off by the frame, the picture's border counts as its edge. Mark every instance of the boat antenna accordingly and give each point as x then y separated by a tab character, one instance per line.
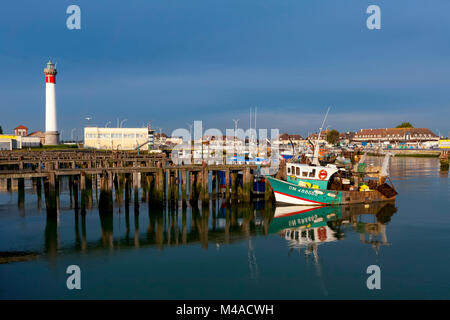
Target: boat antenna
315	159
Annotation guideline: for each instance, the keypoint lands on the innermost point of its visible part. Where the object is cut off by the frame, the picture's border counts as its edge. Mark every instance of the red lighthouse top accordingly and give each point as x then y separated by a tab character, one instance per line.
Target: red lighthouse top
50	72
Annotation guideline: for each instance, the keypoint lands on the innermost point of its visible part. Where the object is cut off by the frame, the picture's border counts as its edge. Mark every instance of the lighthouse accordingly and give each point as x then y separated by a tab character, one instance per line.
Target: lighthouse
51	129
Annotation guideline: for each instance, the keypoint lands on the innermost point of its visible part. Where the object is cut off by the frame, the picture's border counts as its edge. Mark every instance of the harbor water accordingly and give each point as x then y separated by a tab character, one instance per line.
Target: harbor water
224	251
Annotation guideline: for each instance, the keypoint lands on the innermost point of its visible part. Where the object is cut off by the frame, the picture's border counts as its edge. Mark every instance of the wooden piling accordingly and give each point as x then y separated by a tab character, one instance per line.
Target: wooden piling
184	185
246	184
159	185
50	194
75	192
3	184
234	185
106	202
268	191
21	192
205	186
227	185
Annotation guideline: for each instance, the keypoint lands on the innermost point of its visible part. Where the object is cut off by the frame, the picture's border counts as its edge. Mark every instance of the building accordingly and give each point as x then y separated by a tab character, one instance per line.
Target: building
444	144
173	141
289	142
160	138
396	136
323	136
346	137
118	138
7	142
21	131
30	141
51	128
40	135
287	138
10	142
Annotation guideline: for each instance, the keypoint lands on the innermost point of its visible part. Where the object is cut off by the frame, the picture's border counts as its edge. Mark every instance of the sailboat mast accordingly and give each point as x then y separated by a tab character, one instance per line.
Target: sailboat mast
315	159
256	135
250	120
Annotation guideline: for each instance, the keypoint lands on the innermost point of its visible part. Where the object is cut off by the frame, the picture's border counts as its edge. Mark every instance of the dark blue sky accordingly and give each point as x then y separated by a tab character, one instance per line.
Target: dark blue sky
172	62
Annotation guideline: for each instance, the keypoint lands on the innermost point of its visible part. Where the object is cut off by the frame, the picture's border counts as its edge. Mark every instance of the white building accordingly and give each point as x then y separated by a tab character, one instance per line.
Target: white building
10	142
118	138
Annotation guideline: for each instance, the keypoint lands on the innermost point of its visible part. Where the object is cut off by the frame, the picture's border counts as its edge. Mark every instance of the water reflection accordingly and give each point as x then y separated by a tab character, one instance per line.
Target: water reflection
304	228
308	227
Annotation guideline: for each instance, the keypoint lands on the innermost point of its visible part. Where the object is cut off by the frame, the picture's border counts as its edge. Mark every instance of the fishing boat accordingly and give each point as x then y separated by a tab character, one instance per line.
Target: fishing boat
323	185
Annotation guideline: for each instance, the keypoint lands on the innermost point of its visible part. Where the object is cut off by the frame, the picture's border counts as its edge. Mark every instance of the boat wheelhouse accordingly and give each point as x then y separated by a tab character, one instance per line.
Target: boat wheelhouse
317	177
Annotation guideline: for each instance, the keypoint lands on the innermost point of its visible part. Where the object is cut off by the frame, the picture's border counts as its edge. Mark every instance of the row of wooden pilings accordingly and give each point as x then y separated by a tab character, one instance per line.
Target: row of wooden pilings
157	187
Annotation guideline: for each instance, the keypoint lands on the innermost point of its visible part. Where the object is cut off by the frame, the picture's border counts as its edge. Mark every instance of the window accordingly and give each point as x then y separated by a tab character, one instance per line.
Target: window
304	173
312	174
289	170
297	171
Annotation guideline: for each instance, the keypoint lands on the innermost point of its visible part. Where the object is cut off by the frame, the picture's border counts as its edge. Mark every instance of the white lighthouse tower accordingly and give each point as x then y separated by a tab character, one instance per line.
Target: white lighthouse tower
51	129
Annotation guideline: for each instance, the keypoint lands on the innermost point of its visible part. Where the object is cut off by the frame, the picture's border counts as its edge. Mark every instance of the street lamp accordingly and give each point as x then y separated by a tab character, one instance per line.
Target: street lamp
190	137
121	122
71	134
106	125
235	133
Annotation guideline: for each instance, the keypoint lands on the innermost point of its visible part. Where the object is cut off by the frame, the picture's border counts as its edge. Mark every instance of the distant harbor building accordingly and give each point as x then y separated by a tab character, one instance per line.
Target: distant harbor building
323	136
38	134
396	136
287	138
119	138
21	131
346	137
7	142
10	142
444	144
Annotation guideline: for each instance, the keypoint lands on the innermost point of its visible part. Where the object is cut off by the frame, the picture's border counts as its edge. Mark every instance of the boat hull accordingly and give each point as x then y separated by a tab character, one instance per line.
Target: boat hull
287	193
290	194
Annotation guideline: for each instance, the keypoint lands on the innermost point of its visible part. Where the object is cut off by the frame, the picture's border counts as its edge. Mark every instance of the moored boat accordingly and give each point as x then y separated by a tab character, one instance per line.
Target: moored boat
290	194
322	185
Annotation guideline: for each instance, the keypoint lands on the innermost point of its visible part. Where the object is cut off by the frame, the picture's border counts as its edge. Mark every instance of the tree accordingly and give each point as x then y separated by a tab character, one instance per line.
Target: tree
1	130
333	136
405	125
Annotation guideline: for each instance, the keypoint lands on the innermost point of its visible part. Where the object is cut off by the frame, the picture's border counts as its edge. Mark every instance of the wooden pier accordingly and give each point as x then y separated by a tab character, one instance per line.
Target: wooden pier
155	176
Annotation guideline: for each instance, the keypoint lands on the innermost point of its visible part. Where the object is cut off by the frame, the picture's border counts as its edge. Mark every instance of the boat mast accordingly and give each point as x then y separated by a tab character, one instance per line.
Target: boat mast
315	159
256	133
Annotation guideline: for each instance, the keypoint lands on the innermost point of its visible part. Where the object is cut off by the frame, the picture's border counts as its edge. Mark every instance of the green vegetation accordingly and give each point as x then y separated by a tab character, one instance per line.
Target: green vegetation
57	147
1	130
405	125
333	136
418	155
410	155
